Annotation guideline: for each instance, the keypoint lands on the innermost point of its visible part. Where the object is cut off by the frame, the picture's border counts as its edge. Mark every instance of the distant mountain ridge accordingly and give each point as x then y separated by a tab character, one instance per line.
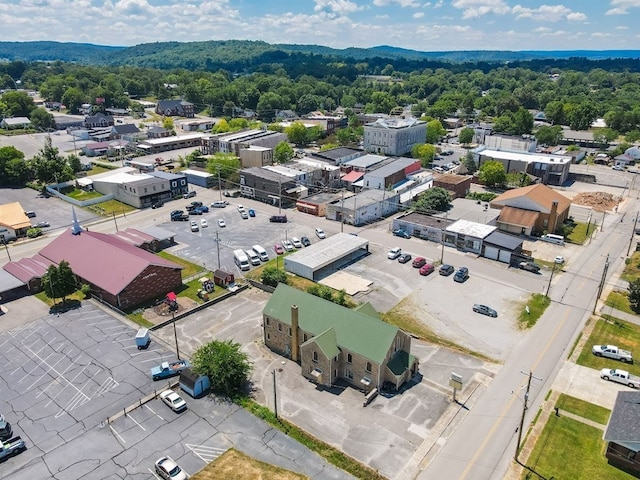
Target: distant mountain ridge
237	55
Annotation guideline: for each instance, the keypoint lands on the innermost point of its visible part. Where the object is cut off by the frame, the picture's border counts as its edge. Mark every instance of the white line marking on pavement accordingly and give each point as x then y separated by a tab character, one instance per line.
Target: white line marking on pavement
117	434
134	421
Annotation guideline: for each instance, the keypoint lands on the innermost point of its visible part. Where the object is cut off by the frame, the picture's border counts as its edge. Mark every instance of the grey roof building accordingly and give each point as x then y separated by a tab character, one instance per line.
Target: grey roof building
622	434
364	207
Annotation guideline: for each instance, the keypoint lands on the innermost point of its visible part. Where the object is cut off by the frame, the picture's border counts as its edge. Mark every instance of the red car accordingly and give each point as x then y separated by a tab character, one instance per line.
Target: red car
426	269
278	248
419	262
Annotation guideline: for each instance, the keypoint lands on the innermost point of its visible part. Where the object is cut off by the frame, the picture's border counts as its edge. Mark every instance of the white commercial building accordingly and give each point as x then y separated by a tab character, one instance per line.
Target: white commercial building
394	136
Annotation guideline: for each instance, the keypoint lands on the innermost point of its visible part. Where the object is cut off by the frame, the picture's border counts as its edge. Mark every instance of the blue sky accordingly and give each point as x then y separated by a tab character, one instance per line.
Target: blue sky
435	25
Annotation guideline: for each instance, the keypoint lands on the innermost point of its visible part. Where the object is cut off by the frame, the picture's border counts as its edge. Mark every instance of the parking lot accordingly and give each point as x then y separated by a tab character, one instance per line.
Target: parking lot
65	374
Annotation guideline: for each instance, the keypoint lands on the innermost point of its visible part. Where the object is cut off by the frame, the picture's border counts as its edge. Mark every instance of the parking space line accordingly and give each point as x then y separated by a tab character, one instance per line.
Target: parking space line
68	383
156	359
149	350
117	334
154	474
53	381
38	365
205	453
107	385
134	421
117	434
45	372
111	328
151	410
102	323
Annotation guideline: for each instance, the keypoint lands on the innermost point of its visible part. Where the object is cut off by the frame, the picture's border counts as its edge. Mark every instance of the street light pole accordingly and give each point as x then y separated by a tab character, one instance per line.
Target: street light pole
218	247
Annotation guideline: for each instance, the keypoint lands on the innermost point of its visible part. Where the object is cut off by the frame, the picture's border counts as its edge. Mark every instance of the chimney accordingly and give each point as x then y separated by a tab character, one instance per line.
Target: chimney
294	333
553	217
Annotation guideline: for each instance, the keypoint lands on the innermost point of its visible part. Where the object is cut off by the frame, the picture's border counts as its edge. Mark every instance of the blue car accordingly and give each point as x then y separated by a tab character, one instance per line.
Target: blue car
252	212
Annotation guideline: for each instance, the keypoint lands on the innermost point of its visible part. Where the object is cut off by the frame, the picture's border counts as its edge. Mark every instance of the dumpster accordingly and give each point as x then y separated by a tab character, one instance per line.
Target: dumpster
143	339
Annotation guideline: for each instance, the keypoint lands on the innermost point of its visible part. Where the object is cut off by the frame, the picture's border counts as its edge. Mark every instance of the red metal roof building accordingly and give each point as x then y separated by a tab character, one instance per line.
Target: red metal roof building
118	272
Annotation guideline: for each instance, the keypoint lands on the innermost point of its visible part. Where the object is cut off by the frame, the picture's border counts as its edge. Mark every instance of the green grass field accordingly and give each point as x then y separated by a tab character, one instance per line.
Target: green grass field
571	450
611	331
537	305
632	269
189	268
620	301
584	409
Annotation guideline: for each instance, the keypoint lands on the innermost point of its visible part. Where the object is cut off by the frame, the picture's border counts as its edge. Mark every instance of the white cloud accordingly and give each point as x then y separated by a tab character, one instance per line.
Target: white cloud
340	7
418	15
622	27
621	7
478	8
547	13
402	3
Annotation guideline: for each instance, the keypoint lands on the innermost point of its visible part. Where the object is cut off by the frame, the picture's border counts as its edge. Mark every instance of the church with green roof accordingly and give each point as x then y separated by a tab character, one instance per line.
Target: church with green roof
333	343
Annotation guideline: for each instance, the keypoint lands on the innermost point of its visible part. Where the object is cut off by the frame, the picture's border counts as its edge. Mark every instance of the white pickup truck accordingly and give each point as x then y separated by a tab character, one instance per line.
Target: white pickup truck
620	376
611	351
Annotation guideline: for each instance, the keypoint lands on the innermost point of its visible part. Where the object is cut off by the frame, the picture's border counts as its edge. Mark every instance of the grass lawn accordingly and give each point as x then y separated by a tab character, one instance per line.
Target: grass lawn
611	331
620	301
537	305
632	269
571	450
189	268
237	465
579	234
96	169
81	195
584	409
190	290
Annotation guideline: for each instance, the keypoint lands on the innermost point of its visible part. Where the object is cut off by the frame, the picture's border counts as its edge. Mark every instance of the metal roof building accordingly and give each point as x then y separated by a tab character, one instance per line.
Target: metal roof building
324	257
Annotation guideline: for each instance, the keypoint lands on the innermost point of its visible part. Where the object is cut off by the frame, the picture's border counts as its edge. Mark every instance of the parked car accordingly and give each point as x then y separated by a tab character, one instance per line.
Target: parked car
530	266
252	212
203	209
620	376
305	241
244	215
426	269
174	401
461	275
559	259
194	226
221	223
204	223
219	204
296	242
320	233
157	205
240	208
446	269
278	249
394	253
401	233
190	194
619	168
404	258
42	225
484	310
6	432
169	470
287	245
612	351
195	211
419	262
168	370
278	218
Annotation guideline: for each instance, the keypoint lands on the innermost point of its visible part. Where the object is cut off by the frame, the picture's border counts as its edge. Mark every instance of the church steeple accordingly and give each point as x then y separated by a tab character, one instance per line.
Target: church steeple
77	229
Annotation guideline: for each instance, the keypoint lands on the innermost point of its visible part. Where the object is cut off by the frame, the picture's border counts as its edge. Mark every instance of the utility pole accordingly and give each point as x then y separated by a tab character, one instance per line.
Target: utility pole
551	278
275	398
524	411
601	284
175	332
6	247
219	183
218	247
633	232
114	220
279	196
342	213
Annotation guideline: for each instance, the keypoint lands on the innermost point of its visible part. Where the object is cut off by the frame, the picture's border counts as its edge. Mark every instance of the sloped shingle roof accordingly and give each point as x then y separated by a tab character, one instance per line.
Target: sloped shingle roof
12	215
539	194
623	423
355	331
517	216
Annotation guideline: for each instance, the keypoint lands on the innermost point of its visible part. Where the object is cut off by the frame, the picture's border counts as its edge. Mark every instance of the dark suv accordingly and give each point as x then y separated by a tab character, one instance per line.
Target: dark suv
461	275
446	270
5	429
278	219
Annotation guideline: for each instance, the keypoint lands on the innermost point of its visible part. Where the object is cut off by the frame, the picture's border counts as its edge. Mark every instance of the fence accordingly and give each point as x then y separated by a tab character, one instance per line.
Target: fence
78	203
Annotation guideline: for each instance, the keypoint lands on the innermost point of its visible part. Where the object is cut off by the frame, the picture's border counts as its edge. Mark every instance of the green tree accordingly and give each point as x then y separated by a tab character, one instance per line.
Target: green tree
41	119
554	111
167	123
73	98
74	163
49	166
434	199
632	136
11	161
469	163
492	173
297	134
227	367
435	131
321	291
604	135
522	122
60	281
282	153
466	135
425	152
19	104
634	295
272	276
549	135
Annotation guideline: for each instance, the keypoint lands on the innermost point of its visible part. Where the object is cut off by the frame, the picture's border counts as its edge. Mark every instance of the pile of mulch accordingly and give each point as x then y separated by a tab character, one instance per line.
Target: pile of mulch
599	201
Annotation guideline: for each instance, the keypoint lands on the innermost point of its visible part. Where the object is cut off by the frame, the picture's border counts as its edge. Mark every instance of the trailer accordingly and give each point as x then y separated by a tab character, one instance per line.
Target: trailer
143	339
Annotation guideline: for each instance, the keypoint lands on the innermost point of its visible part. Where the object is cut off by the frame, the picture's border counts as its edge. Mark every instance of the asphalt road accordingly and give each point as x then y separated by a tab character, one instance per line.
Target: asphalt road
483	446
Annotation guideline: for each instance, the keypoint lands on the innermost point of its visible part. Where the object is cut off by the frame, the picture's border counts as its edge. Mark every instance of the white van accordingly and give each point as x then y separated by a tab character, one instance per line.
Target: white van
552	238
241	259
262	253
253	257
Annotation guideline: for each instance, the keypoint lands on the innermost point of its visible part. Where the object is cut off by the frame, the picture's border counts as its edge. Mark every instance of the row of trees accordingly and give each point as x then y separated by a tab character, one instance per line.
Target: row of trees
21	104
575	99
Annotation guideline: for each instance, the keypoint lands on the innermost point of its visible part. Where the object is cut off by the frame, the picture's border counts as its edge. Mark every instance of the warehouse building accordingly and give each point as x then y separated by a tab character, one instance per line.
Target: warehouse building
323	258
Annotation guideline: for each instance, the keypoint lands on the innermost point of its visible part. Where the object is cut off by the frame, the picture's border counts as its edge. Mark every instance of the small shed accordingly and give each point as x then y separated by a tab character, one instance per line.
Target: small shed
194	384
222	278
